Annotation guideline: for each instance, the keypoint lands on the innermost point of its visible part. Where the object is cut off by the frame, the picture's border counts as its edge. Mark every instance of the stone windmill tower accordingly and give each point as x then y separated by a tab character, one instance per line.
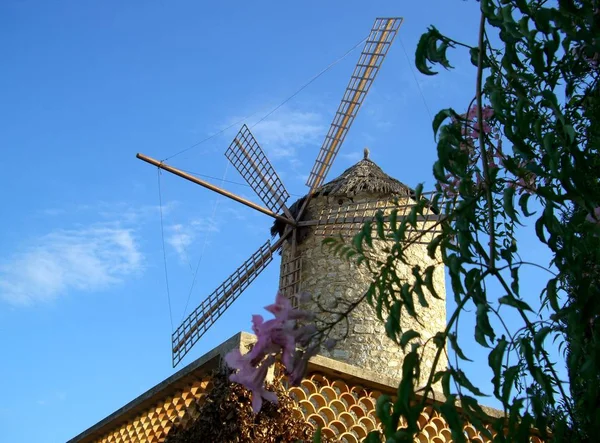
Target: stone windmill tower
338	207
341	206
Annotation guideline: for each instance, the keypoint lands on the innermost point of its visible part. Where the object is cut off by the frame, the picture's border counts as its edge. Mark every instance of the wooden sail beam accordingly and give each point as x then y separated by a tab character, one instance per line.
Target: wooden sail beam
353	97
350	105
214	188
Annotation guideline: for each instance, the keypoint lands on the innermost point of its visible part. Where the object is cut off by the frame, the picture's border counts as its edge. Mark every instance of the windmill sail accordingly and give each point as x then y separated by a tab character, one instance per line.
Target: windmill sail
251	162
376	47
207	313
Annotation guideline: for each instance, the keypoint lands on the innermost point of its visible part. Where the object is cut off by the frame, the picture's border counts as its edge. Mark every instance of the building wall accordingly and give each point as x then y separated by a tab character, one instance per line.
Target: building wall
333	282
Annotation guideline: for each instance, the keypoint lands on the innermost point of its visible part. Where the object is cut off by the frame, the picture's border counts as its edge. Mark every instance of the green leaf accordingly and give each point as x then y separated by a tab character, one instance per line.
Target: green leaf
453	339
411	218
462	380
317	436
438	171
373	437
509	207
514	302
552	294
439	339
548	141
495	359
410	371
421	53
474	412
329	241
540	336
550	99
514	285
539	229
446	379
474	53
383	409
433	245
542	18
523	200
450	413
367	229
432	48
357	241
440	117
394	220
537	60
482	326
570	132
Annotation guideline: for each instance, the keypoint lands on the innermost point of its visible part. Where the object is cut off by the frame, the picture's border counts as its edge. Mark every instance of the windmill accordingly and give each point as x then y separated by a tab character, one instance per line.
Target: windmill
251	162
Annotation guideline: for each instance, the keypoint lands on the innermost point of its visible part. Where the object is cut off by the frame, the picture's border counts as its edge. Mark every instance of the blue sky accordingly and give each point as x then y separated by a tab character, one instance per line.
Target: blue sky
84	317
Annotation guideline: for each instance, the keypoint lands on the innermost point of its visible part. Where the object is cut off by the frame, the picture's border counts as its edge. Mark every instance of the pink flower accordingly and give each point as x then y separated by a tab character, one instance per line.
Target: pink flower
479	182
475	132
475	125
472	113
487	112
278	335
525	185
594	217
300	365
253	378
450	188
282	308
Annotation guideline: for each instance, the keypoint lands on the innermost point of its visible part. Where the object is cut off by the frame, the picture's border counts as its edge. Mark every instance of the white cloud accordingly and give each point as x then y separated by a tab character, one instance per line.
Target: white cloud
89	258
287	130
181	237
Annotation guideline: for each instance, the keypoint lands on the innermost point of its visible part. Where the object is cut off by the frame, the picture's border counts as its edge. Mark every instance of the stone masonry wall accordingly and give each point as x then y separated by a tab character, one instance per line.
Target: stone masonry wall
334	279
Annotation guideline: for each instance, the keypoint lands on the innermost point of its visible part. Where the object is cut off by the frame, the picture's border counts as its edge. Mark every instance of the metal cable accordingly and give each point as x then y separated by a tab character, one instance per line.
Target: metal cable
274	109
162	232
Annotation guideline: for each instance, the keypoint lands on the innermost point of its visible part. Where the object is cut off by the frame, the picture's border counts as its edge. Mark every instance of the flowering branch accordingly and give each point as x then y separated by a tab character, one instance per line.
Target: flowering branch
278	337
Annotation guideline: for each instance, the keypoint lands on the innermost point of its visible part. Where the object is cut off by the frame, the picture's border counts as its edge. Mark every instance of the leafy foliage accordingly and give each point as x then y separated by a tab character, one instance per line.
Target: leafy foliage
227	416
525	152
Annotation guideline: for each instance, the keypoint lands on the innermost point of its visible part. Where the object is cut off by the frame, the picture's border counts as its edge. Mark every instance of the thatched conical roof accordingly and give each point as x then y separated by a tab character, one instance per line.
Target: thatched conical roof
365	177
